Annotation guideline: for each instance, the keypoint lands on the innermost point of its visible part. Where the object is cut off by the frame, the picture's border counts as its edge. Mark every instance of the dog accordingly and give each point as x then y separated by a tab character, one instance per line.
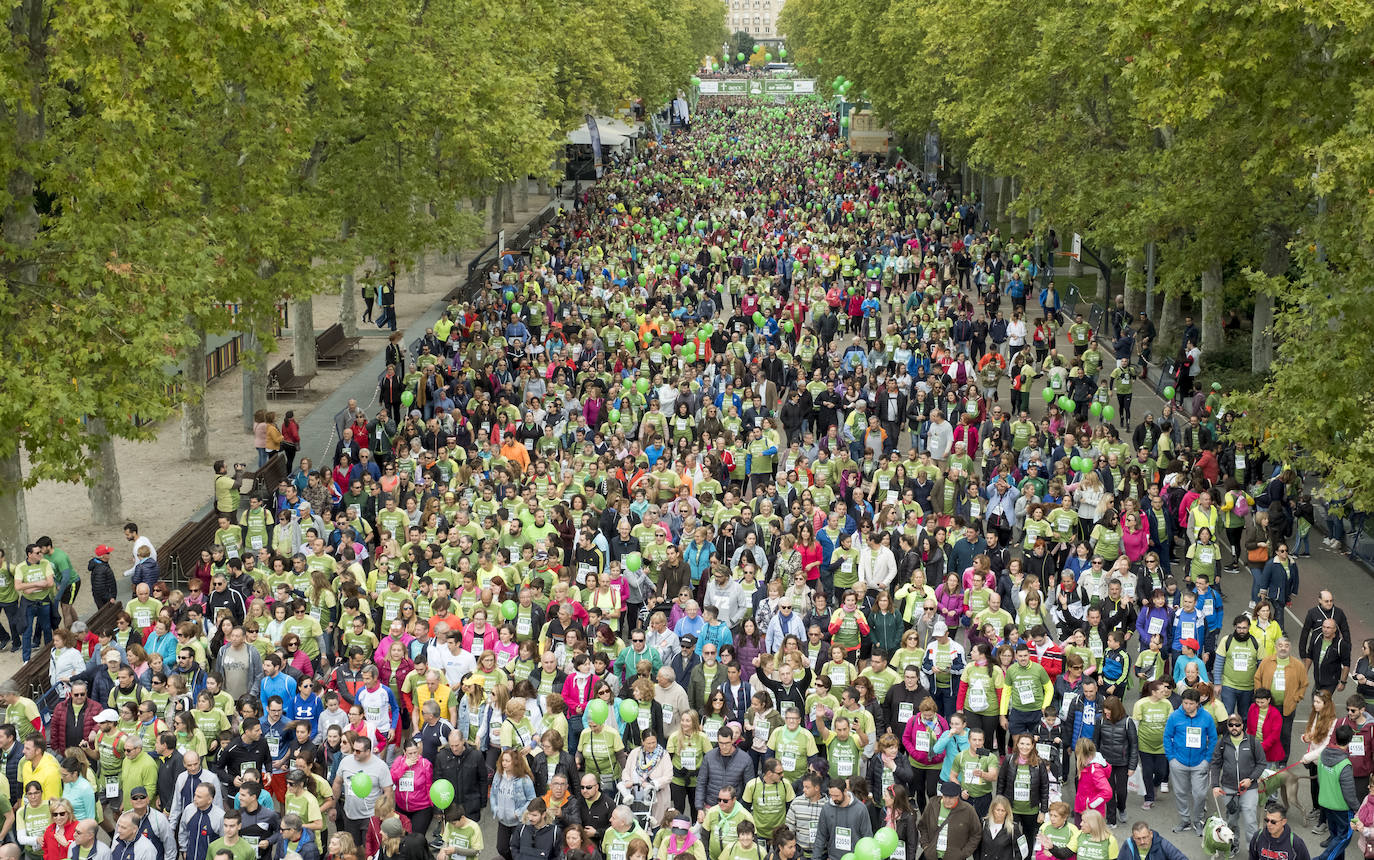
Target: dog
1218	840
1283	785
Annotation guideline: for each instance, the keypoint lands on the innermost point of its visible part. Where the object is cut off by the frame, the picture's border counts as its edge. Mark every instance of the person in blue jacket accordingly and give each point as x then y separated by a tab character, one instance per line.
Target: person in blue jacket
1209	605
1190	735
1146	844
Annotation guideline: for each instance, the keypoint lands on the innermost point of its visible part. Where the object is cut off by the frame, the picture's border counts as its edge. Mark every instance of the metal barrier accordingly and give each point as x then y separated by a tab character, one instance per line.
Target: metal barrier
480	265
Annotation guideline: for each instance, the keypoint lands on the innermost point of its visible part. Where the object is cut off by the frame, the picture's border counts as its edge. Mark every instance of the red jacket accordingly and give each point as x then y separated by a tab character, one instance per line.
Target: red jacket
57	726
1271	740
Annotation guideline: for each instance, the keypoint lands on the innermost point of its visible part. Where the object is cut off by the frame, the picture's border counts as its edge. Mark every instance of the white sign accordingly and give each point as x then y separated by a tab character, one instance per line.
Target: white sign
1077	252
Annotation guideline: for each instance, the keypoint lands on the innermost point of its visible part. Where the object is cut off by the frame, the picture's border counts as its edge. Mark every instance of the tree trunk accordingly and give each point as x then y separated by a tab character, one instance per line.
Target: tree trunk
303	358
1104	278
507	203
999	201
1213	335
1018	221
421	274
195	418
348	299
966	177
1170	327
1135	286
1262	326
522	194
254	377
494	219
14	514
107	501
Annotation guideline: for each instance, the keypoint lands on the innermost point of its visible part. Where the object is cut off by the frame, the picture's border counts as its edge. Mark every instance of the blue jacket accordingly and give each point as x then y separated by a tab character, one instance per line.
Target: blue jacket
1217	615
1176	731
1160	849
698	559
509	798
1195	618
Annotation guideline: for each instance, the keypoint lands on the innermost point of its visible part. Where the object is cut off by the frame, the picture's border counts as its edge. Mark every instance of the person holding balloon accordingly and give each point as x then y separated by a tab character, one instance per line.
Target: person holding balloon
413	774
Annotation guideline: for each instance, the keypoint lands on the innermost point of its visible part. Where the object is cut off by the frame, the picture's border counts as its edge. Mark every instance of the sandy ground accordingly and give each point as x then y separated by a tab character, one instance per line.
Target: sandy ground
162	488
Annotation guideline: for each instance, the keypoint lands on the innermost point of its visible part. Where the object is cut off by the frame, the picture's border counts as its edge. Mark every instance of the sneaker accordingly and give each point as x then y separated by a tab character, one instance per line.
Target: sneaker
1164	788
1198	831
1183	828
1149	804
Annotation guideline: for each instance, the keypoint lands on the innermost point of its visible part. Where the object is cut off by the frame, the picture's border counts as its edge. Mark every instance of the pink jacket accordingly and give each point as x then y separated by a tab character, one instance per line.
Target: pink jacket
489	637
1364	826
915	726
418	796
1135	543
575	698
1094	787
949	606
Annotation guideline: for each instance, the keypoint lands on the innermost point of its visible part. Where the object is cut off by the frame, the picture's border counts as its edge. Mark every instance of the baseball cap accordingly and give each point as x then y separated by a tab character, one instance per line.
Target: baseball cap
940	628
688	639
103	550
138	791
1190	643
109	715
949	788
296	776
393	828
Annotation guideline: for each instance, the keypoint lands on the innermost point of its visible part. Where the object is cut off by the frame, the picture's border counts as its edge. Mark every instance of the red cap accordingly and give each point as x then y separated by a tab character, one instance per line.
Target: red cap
1190	643
103	550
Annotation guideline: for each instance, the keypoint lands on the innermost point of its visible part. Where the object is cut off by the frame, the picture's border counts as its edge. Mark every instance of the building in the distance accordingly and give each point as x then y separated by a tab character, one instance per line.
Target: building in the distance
758	18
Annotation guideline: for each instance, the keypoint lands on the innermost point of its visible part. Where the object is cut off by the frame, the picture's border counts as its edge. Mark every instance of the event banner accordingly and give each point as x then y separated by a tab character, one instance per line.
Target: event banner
757	87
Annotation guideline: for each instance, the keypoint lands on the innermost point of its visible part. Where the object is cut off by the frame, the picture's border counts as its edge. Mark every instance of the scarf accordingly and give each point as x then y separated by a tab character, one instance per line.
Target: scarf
648	762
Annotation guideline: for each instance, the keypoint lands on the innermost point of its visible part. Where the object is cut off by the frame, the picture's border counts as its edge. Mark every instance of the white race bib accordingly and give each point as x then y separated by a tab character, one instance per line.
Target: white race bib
1357	746
1240	661
1193	737
1021	789
1280	681
970	776
977	698
942	841
843	839
522	625
923	742
1156	626
1025	691
688	758
407	782
905	711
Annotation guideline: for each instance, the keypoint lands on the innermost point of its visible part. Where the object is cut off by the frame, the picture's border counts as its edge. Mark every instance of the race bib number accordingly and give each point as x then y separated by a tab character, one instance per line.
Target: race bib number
689	759
1156	626
1204	555
1188	630
844	764
644	718
1280	681
839	678
111	788
1357	746
970	773
1043	750
522	625
1022	788
843	839
788	761
923	742
904	711
942	841
977	699
1025	691
1241	661
1193	737
407	782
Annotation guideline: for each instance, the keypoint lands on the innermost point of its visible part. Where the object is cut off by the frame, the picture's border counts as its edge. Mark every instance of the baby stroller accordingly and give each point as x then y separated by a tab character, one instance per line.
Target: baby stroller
640	799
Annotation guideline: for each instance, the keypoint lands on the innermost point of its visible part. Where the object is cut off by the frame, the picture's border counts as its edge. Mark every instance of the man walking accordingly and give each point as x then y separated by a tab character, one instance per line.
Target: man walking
1190	735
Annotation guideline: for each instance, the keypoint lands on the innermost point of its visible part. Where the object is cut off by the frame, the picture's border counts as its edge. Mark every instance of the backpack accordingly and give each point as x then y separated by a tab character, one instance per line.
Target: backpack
1241	507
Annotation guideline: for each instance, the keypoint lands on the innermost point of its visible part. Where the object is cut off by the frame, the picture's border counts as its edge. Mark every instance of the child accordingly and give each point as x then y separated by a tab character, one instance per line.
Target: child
332	715
1150	664
1116	665
1094	789
744	847
1049	743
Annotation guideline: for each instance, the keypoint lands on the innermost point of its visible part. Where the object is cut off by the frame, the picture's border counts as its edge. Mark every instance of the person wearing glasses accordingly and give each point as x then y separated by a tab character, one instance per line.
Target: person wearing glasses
1276	840
1237	765
594	807
73	718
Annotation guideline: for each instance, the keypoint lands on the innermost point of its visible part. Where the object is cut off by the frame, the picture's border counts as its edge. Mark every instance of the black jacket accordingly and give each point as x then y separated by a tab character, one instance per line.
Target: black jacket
529	843
104	589
467	772
1004	845
1118	744
1039	787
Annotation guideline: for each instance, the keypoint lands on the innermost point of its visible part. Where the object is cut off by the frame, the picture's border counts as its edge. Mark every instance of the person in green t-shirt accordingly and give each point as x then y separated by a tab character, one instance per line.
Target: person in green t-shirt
1150	713
231	841
975	769
768	796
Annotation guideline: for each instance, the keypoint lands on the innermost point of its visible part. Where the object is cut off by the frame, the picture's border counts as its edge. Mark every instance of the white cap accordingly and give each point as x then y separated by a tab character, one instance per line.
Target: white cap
109	715
940	628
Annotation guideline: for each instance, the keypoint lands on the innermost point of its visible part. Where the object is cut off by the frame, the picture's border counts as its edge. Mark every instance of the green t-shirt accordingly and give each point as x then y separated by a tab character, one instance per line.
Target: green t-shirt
241	849
965	763
769	804
1242	659
793	749
1150	717
845	756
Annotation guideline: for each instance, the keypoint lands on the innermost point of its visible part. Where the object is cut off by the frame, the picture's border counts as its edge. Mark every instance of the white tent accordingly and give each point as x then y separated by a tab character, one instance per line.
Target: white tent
608	138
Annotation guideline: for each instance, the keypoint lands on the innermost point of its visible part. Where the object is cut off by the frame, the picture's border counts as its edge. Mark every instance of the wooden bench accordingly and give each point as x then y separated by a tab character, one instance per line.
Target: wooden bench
283	380
332	345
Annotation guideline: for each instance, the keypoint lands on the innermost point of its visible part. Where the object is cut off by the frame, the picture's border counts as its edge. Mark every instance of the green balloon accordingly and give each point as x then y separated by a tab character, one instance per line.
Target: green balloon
788	326
643	279
613	416
740	56
1109	412
887	840
441	793
642	385
666	350
1168	392
768	58
1065	402
689	352
758	318
629	710
696	81
1095	409
1076	463
1016	259
510	609
782	52
515	307
708	329
633	561
407	398
1048	394
361	785
598	711
867	849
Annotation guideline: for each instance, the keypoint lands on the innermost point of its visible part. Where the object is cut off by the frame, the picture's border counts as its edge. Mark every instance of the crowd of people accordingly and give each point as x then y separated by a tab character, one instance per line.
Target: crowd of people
747	515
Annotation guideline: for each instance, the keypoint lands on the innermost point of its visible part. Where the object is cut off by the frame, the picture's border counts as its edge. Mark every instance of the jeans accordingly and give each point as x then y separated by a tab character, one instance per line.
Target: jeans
1245	822
1338	823
13	637
1237	702
42	613
1190	786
